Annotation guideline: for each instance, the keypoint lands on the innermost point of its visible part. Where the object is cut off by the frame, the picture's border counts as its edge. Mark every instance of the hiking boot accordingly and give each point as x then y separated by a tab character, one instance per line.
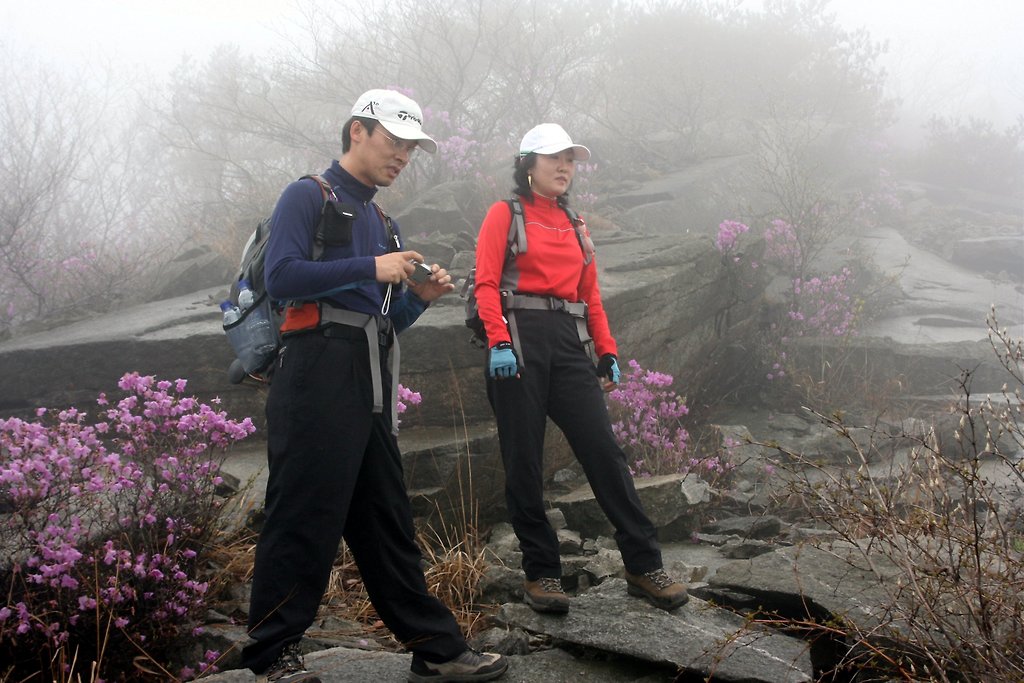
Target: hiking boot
546	595
469	666
288	668
658	588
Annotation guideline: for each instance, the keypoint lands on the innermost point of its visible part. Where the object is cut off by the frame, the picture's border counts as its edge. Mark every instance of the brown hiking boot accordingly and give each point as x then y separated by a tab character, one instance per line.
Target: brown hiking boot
546	595
658	588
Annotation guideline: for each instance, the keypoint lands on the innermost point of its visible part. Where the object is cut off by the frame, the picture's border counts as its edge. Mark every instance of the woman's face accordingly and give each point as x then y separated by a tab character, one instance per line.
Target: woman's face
552	173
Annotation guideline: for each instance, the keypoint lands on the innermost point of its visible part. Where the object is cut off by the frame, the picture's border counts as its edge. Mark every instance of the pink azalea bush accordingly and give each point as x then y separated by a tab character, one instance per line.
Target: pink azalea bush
406	397
102	526
729	235
647	420
646	417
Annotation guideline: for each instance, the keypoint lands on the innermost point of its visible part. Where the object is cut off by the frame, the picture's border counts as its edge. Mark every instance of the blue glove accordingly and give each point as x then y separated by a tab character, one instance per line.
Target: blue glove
502	362
608	367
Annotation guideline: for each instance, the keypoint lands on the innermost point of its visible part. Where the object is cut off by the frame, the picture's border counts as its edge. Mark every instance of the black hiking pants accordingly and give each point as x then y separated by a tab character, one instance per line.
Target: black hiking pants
559	380
335	471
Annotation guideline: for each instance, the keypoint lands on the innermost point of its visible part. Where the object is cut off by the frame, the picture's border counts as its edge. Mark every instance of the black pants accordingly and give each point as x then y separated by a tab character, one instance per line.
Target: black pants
560	381
335	470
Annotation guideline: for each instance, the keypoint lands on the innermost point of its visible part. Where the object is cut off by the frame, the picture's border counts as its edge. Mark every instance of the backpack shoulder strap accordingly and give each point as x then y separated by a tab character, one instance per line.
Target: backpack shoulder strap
393	243
582	236
326	191
516	229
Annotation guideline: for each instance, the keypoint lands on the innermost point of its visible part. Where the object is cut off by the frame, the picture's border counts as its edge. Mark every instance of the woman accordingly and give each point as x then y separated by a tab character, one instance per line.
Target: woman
538	308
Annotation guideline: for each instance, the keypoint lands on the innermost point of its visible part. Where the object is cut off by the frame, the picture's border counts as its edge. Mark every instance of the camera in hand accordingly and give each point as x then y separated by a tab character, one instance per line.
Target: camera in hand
421	272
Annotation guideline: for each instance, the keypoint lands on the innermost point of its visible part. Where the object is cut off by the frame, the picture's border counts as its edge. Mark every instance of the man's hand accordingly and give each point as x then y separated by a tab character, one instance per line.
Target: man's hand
395	266
502	362
440	283
608	371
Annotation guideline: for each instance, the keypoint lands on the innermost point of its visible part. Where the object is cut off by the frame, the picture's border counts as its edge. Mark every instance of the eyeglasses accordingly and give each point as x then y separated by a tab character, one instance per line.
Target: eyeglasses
407	146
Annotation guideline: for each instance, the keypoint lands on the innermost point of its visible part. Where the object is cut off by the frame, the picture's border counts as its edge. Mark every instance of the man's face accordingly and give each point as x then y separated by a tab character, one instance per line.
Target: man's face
377	158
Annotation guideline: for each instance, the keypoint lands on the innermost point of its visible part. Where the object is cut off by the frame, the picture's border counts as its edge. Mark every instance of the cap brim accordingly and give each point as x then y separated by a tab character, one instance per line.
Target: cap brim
411	133
579	152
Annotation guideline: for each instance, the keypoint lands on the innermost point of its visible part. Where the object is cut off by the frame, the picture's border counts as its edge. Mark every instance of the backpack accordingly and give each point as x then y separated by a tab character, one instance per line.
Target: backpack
255	335
515	245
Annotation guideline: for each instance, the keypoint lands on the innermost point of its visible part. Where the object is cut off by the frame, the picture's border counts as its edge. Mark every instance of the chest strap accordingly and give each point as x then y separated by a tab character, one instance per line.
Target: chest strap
511	302
376	338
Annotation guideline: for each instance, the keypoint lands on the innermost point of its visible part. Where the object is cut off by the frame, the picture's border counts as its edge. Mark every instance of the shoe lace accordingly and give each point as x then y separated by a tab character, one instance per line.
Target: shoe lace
660	578
549	585
469	656
290	660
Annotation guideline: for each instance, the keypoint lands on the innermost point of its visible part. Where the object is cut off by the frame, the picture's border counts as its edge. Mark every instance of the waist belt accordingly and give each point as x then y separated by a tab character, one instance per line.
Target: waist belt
511	302
378	331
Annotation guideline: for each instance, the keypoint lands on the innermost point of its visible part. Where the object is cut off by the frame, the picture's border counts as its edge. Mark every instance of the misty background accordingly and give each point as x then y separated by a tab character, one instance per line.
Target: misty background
135	134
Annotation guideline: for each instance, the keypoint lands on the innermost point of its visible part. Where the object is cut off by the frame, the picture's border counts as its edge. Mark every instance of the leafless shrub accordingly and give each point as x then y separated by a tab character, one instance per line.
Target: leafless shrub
948	514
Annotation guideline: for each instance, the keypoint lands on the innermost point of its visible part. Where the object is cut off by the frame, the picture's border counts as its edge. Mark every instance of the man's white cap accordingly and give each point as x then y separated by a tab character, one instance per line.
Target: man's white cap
397	113
550	138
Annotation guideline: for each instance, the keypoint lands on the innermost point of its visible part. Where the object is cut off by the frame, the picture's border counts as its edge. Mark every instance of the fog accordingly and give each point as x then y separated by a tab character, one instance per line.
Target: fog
217	105
951	58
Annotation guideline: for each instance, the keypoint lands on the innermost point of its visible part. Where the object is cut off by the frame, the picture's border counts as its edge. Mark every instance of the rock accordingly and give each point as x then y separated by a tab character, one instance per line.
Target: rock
449	208
198	268
745	548
665	498
569	541
761	526
832	582
602	565
991	254
501	584
697	637
503	641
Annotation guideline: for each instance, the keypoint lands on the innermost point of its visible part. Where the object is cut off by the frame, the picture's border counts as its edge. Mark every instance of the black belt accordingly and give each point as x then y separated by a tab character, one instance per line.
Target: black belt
512	302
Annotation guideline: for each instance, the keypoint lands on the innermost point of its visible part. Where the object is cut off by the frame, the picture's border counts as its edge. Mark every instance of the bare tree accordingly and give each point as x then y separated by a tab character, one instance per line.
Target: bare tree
70	209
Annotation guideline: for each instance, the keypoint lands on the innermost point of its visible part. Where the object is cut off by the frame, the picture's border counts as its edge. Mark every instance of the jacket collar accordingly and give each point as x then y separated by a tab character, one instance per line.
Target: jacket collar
347	184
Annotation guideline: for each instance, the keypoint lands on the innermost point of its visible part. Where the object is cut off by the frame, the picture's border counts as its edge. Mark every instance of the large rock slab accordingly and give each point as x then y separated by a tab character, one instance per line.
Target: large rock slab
349	665
698	637
824	582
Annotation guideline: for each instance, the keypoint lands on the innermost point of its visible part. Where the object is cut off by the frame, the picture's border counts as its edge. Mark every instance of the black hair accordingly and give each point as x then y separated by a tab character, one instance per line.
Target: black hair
346	130
521	177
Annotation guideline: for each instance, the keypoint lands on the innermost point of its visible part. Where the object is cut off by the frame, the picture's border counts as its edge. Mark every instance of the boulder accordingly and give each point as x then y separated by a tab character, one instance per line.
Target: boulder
665	498
696	638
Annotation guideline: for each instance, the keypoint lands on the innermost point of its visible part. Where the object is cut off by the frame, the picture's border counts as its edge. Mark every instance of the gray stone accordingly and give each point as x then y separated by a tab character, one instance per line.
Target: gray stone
991	254
503	641
665	498
745	548
697	637
556	518
501	584
837	581
760	526
569	541
603	565
198	268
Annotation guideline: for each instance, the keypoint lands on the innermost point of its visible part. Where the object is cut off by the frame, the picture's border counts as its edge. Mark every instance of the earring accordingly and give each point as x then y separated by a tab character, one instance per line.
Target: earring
529	181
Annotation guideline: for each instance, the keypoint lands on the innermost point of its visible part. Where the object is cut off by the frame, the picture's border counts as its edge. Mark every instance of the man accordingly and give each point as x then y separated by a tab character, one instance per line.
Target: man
334	465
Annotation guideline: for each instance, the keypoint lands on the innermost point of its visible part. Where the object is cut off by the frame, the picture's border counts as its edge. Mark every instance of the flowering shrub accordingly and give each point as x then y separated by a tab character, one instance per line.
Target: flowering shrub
825	305
646	421
728	235
104	524
782	247
406	398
